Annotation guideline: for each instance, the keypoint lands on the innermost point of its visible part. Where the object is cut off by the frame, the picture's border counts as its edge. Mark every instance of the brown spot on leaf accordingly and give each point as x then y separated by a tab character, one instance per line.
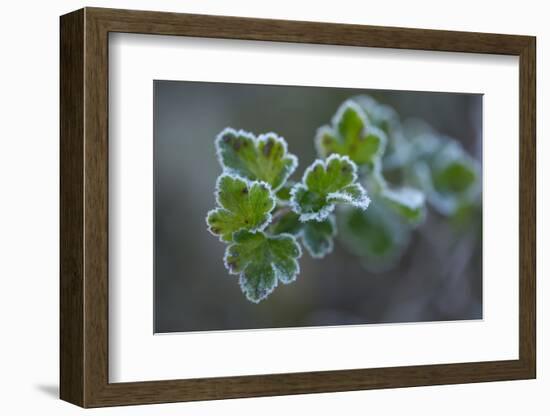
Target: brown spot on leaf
236	144
268	147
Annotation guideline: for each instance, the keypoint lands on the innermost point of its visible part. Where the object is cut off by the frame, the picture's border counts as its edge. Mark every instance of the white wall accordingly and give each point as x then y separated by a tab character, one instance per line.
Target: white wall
29	206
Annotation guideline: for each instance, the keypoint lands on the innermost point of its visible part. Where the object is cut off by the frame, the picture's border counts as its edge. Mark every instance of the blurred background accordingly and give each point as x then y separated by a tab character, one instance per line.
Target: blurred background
435	272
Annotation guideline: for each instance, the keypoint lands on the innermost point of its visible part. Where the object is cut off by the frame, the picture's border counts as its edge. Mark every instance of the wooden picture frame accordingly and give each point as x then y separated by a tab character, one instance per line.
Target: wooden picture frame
84	207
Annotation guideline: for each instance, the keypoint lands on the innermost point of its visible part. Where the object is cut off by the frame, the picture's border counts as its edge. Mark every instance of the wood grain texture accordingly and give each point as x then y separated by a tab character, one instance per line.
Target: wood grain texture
72	215
162	23
84	207
96	208
527	207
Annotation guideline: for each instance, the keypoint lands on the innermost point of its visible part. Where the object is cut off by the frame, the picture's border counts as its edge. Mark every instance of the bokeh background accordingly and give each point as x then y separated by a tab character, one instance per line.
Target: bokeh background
438	277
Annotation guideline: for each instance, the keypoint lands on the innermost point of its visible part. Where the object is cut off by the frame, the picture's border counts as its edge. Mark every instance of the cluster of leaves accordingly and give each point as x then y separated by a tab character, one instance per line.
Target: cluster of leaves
417	171
373	181
262	216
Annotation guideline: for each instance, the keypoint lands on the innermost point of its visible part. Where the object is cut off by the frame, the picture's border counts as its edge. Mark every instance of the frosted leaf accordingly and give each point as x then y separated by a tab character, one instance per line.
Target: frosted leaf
264	158
317	236
262	261
283	194
409	203
352	135
242	205
288	223
453	170
376	236
382	116
449	177
324	184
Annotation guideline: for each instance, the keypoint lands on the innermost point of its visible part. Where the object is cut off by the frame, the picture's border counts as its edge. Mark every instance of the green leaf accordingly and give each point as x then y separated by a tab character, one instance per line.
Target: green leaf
242	205
283	194
382	116
449	177
409	203
287	223
386	118
324	184
424	146
421	175
453	170
262	261
351	135
376	235
318	237
456	177
263	158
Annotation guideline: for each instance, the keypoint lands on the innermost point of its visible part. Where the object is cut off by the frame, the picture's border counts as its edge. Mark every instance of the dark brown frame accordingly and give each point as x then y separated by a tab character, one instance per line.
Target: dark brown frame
84	209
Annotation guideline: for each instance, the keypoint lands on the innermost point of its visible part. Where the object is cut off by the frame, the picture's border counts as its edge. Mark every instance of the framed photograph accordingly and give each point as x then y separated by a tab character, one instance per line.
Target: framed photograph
260	207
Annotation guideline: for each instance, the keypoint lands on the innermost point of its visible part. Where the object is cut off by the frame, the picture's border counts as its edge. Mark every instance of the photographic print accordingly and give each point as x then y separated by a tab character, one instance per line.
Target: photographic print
291	206
358	219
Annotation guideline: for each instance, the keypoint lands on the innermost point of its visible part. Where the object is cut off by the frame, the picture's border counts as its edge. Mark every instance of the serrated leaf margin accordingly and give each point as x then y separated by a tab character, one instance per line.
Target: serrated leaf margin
275	271
368	129
329	208
301	234
256	140
249	184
